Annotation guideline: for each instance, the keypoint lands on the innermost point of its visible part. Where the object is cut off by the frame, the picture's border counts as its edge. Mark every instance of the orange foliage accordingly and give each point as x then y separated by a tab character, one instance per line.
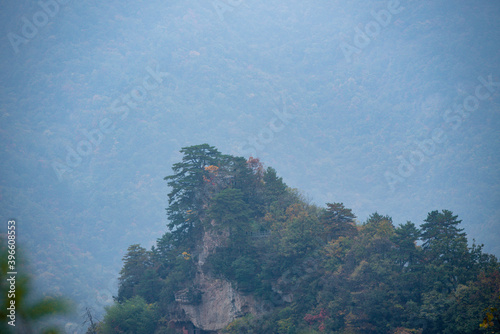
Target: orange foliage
295	210
212	169
256	166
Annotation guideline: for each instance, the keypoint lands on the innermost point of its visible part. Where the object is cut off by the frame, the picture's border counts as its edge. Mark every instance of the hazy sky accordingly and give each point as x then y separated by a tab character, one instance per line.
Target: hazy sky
388	106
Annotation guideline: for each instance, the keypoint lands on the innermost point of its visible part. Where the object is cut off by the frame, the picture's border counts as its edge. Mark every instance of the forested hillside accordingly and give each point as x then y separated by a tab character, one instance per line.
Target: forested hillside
312	269
388	106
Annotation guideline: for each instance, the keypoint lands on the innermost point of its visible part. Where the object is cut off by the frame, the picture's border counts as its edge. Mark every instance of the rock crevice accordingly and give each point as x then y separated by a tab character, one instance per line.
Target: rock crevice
221	302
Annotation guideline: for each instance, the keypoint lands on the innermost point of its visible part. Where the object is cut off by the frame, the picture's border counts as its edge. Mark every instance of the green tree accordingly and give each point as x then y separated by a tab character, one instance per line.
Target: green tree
274	187
405	239
230	210
378	226
374	238
248	177
408	269
186	199
338	221
445	250
245	271
441	237
231	213
300	236
134	316
135	264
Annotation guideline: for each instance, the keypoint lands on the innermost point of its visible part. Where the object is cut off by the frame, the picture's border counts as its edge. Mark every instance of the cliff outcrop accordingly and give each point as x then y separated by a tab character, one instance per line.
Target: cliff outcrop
219	302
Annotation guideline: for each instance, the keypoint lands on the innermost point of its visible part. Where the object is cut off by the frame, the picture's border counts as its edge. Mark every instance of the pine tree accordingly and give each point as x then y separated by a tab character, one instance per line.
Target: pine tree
405	238
135	263
274	187
186	198
338	221
443	241
445	250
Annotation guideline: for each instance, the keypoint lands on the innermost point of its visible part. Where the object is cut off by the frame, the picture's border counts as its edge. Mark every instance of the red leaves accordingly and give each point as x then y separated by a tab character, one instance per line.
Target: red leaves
311	319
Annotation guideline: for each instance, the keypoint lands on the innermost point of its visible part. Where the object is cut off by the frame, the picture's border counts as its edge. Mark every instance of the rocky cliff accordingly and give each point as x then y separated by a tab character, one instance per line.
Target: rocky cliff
221	302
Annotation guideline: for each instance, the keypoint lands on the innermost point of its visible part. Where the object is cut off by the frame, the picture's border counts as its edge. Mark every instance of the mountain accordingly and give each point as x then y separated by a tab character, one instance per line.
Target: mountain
247	254
387	106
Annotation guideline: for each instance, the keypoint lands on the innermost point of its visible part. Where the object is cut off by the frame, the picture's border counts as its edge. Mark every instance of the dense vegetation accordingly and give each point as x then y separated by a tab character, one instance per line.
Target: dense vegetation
352	122
317	269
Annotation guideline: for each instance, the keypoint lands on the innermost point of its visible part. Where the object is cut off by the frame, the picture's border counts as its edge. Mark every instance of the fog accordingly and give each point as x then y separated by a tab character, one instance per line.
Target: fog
385	106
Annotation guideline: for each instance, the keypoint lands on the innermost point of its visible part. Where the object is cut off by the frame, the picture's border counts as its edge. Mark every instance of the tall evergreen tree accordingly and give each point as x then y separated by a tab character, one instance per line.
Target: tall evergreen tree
377	221
247	176
445	249
443	241
135	263
338	221
274	187
405	238
186	198
230	210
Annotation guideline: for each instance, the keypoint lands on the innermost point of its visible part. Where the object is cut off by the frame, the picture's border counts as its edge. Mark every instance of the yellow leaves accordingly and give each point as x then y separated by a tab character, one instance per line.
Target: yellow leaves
295	211
488	319
186	256
385	229
359	269
189	213
212	169
335	249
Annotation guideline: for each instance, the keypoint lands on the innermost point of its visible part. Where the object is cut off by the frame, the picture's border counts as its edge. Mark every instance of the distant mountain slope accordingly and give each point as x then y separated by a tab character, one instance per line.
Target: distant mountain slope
266	77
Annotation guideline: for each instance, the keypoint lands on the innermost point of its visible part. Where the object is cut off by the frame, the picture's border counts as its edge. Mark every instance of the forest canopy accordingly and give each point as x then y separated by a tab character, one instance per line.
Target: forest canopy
317	269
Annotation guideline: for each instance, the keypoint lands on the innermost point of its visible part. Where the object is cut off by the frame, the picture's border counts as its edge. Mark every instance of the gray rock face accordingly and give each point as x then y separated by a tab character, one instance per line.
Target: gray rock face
221	302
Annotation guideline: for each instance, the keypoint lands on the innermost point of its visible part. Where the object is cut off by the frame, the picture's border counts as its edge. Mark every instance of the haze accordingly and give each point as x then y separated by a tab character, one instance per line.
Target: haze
385	106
